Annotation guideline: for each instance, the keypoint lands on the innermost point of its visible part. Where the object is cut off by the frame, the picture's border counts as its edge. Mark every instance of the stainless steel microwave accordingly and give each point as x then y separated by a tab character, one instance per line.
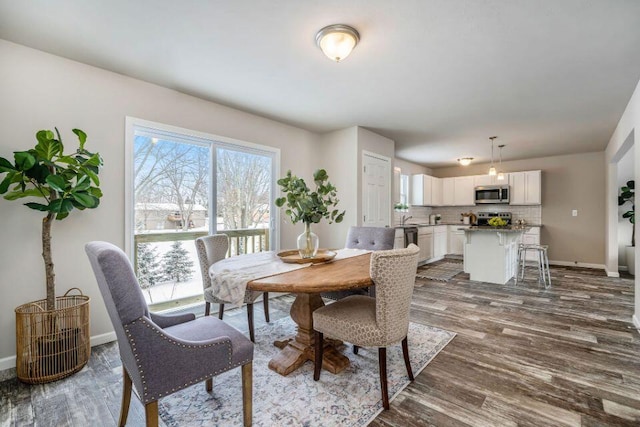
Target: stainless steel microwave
492	194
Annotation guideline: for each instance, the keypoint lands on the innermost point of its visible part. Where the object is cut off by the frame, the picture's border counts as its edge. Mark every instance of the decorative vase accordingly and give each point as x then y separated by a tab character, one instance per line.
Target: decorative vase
308	242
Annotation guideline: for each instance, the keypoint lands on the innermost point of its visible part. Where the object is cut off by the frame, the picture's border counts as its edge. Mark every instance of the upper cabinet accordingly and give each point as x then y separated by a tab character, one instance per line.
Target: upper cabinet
464	191
448	191
484	180
421	192
436	191
525	188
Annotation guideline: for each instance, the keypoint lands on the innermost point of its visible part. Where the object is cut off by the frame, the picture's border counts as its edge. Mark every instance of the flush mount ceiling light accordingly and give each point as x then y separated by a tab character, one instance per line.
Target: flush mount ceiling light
492	169
500	174
337	41
465	161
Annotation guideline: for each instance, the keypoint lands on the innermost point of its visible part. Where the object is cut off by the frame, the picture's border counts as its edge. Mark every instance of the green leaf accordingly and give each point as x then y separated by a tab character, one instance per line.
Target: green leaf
44	135
57	183
82	137
49	149
84	199
39	173
37	206
24	160
83	183
92	175
94	160
31	192
5	165
62	215
68	160
6	182
631	184
95	192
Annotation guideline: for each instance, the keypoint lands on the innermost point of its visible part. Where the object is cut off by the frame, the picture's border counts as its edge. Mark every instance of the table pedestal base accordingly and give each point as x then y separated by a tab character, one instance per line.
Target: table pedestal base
297	350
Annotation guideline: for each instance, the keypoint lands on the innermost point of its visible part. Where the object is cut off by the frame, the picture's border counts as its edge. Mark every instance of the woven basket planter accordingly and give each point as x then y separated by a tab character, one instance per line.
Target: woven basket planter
51	345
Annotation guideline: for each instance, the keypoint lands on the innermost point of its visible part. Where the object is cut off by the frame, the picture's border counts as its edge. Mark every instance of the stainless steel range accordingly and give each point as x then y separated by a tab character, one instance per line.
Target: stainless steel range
484	217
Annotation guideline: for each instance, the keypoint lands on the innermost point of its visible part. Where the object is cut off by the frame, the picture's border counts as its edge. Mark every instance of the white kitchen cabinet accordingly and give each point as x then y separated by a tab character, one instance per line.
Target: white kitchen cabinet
456	239
421	190
464	191
425	243
398	243
436	191
440	237
525	188
484	180
448	191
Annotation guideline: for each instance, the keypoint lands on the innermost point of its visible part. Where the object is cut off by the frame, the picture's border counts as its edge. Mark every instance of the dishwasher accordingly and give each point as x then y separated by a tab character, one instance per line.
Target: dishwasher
410	236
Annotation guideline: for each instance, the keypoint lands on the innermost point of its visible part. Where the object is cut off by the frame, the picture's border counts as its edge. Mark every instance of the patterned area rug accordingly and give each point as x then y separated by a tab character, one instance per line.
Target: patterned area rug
442	272
351	398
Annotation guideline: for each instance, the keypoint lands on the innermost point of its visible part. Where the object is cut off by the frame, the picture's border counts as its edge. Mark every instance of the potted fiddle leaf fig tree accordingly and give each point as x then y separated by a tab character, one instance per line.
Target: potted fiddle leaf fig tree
304	205
627	195
52	335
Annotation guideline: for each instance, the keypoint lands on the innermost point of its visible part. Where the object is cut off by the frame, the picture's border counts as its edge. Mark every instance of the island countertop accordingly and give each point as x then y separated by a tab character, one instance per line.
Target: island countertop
506	229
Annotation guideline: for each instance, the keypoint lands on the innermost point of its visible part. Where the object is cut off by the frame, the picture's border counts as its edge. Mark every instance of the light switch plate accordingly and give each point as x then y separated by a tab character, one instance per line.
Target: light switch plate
574	212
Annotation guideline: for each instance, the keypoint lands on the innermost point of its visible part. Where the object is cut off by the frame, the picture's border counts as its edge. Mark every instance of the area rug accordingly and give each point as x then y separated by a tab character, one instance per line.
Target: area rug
442	272
351	398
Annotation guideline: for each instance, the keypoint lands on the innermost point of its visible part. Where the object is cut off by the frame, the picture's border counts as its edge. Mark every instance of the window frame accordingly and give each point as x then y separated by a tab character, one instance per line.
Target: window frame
193	136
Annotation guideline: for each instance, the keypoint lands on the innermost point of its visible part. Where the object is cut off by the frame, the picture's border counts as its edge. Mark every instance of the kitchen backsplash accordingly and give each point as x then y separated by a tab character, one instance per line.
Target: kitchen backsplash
531	214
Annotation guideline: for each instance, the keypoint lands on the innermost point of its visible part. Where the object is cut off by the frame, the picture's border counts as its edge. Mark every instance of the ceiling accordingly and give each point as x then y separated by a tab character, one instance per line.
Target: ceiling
439	77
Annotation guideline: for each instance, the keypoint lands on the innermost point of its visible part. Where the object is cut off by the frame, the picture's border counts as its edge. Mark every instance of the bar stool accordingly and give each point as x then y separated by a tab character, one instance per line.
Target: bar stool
544	274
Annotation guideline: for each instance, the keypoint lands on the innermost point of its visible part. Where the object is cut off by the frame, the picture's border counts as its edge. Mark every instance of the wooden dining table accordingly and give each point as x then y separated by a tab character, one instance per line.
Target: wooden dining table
306	284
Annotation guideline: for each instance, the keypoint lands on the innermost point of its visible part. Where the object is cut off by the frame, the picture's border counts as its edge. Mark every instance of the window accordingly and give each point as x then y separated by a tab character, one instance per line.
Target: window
183	185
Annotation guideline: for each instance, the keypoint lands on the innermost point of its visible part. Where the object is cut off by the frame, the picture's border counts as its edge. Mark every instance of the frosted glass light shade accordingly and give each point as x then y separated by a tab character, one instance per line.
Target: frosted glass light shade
337	41
501	176
492	171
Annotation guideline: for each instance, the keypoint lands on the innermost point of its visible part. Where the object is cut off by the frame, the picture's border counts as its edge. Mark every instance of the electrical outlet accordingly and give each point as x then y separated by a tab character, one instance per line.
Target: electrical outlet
574	212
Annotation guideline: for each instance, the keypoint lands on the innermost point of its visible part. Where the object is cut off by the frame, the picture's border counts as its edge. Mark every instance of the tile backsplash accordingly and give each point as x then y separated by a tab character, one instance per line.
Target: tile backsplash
451	214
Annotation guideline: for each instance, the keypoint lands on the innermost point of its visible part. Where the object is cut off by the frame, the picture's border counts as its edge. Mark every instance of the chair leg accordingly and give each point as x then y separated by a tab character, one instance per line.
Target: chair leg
126	397
247	393
407	362
151	413
265	301
221	312
382	361
319	337
250	318
207	308
546	259
355	349
209	384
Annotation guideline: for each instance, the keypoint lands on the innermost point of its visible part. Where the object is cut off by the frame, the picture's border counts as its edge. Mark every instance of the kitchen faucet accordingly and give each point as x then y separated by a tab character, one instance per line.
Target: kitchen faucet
404	219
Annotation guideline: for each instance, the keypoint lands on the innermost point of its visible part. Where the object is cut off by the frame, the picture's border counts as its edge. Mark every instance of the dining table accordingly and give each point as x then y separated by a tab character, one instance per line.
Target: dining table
307	284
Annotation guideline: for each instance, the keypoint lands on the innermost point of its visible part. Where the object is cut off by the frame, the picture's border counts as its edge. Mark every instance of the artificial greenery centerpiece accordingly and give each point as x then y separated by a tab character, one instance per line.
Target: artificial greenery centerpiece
497	222
304	205
627	195
62	181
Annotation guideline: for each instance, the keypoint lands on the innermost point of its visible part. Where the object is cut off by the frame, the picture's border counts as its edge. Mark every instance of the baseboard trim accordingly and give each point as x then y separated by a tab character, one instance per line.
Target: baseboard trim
636	322
8	363
623	268
578	264
612	273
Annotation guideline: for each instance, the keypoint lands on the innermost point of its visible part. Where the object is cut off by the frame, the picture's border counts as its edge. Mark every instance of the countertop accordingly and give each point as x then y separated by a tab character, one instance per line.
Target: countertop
460	224
506	229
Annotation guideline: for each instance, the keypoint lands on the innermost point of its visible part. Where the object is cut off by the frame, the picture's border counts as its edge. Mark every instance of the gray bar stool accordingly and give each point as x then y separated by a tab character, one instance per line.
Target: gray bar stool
544	274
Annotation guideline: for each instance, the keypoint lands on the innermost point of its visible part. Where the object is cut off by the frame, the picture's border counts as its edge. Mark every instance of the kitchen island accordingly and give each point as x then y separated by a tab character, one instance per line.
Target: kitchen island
490	253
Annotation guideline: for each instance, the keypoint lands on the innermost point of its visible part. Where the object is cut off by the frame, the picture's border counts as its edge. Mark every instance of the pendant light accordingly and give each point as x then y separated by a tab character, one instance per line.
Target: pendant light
500	174
492	169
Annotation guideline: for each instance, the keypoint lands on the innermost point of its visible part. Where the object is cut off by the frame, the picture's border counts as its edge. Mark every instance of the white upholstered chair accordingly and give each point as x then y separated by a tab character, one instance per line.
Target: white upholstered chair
373	322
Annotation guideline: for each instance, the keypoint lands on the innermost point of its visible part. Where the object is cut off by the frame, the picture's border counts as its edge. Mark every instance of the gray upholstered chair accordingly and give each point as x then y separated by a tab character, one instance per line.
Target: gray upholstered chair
373	322
370	238
212	249
163	354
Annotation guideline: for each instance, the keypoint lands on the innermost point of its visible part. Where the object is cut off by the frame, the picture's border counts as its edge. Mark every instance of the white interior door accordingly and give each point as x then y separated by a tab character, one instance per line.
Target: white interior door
376	190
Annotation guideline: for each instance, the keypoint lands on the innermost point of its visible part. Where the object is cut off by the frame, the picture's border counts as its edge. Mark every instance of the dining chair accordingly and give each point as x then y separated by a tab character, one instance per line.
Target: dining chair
163	354
212	249
369	238
373	322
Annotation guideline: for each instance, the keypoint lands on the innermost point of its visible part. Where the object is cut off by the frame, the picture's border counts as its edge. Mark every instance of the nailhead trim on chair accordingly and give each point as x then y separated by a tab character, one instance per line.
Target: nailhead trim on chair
146	397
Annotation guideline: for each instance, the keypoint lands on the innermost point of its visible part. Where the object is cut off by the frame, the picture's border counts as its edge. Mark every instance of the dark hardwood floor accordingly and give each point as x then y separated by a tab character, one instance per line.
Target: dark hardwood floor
567	355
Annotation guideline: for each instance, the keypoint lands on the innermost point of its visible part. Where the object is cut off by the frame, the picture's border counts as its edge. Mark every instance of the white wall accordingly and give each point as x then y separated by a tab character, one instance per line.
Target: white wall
40	91
624	137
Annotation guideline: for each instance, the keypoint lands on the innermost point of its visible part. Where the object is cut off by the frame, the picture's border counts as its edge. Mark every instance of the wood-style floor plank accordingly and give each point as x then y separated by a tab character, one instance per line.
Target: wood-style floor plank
523	356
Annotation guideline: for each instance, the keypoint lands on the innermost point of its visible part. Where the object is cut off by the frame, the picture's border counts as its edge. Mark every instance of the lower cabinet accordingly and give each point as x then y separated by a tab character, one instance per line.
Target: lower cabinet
425	243
456	239
440	237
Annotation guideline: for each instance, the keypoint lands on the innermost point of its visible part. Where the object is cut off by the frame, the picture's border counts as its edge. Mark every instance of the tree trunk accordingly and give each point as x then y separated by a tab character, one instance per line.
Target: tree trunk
48	261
